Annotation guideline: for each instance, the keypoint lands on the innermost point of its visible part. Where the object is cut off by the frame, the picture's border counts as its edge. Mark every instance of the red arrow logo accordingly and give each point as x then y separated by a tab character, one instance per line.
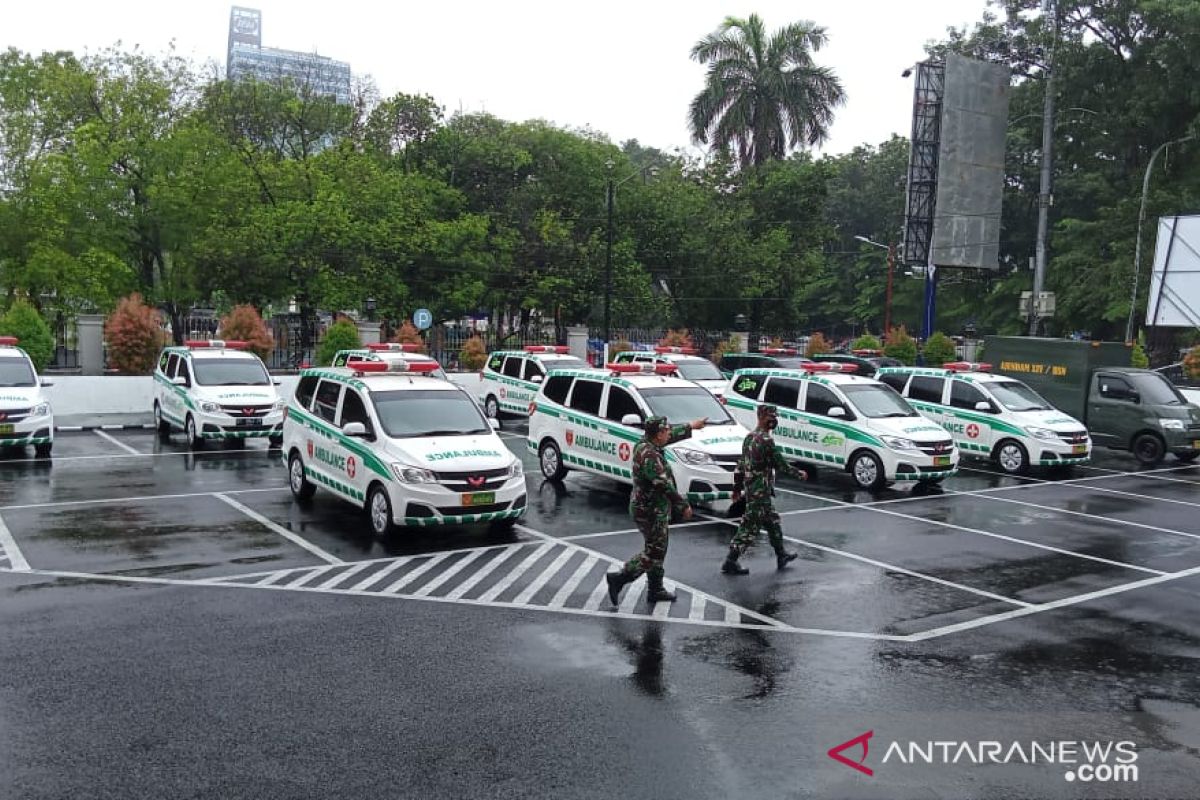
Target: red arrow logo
862	739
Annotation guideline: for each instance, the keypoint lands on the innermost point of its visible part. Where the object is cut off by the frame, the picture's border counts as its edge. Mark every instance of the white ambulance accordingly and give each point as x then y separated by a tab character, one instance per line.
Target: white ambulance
410	449
590	420
212	389
831	417
691	367
509	379
26	417
993	416
390	351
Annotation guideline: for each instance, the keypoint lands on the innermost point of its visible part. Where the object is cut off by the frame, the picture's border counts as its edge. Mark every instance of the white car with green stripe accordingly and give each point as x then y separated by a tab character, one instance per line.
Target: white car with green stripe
389	351
993	416
412	450
510	379
215	390
26	417
589	420
828	417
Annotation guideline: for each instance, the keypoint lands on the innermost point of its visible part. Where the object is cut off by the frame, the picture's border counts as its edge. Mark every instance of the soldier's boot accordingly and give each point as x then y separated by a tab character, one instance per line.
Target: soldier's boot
616	582
656	592
731	565
783	558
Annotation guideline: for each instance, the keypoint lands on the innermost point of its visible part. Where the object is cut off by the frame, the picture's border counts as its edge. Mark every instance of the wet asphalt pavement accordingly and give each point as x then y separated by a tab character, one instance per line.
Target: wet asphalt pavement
175	626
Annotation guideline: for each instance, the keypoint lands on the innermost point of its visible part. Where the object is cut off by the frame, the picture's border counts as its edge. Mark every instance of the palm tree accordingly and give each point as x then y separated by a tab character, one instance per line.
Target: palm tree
763	95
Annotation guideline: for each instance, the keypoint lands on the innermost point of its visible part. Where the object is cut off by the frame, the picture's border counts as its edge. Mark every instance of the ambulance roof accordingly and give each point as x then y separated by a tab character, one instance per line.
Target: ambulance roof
667	358
212	352
381	381
827	378
627	380
383	355
938	372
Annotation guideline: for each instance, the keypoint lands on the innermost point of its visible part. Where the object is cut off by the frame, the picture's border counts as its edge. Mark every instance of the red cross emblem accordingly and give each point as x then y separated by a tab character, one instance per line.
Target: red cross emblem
623	451
570	438
310	448
503	393
351	466
973	430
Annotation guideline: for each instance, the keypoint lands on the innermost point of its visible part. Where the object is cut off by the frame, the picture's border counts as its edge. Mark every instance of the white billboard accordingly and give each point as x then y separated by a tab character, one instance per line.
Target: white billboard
1175	282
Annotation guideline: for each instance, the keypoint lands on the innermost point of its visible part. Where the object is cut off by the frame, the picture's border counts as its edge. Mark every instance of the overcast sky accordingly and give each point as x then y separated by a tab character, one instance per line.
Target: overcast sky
619	67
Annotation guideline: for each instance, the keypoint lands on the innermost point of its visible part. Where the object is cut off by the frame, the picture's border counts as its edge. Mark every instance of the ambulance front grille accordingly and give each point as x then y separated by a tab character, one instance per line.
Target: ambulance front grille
14	415
938	448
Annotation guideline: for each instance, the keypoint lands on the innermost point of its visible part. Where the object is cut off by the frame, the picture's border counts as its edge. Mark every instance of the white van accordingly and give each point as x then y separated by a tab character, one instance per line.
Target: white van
390	351
26	417
509	379
590	420
830	417
410	449
993	416
691	367
213	390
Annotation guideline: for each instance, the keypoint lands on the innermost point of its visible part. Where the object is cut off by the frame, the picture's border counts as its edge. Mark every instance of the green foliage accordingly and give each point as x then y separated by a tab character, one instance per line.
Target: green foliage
938	349
23	321
134	335
408	334
901	346
1191	364
676	338
341	335
817	344
1138	357
726	346
473	354
866	342
243	323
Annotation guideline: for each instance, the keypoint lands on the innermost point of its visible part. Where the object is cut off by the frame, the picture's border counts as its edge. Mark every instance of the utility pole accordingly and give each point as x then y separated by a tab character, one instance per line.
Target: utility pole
1050	19
608	276
887	306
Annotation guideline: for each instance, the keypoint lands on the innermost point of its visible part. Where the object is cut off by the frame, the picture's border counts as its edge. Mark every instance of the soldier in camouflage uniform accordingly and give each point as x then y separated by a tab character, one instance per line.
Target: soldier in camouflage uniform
756	471
654	497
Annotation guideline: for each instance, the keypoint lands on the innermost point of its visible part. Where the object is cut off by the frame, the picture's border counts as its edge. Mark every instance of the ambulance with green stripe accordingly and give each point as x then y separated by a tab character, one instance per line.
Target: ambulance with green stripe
699	371
410	449
831	417
26	417
590	420
214	390
390	351
510	379
993	416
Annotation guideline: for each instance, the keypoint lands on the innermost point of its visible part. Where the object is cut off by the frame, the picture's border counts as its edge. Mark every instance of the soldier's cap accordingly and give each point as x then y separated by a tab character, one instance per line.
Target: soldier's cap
654	425
767	411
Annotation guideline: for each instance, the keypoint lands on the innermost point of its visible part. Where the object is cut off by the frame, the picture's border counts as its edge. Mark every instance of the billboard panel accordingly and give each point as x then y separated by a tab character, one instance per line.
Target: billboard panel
1175	282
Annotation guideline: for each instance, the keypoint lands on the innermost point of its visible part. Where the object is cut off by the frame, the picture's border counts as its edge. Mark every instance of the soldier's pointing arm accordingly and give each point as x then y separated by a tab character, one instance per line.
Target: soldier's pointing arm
679	433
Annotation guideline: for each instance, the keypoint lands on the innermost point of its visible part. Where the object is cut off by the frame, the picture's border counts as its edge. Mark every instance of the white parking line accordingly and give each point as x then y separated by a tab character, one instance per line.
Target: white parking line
113	440
1088	515
279	529
8	547
141	499
1138	474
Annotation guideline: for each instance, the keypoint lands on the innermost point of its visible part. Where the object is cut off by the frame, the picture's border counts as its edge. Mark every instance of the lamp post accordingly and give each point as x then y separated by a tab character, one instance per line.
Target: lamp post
891	263
608	270
1137	248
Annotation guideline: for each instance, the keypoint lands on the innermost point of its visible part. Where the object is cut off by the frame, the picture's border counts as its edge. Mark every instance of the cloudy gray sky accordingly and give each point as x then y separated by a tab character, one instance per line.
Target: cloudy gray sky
619	67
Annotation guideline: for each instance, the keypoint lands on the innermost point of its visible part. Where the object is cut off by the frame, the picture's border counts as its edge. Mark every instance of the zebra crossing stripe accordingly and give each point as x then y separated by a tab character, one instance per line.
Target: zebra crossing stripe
341	576
9	552
541	580
416	573
696	612
511	578
572	584
632	595
380	575
598	596
447	574
473	581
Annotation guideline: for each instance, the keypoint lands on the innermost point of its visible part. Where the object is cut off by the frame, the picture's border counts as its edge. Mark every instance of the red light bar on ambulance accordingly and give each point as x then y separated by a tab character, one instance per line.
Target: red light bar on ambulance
9	340
829	366
215	344
683	351
391	366
643	368
967	366
779	351
394	347
561	349
864	352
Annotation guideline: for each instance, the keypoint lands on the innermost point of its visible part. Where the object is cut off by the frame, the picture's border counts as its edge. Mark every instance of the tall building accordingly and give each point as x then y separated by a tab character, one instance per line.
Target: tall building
246	57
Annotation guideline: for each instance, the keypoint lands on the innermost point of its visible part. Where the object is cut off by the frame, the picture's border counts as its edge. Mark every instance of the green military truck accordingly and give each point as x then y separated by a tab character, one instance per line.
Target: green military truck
1124	408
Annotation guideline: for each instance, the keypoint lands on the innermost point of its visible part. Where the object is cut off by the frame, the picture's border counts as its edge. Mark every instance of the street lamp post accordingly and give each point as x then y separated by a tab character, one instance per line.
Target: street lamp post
891	264
608	269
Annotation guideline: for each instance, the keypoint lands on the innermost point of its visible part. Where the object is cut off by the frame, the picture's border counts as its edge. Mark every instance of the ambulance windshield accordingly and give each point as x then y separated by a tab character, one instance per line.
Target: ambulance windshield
698	369
16	372
428	412
230	372
878	401
1016	396
680	404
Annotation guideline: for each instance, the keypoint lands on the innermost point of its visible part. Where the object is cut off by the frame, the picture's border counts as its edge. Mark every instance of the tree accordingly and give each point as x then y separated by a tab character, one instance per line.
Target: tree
408	334
473	354
135	336
900	346
938	350
1138	357
243	323
866	342
341	335
33	334
763	95
817	344
677	338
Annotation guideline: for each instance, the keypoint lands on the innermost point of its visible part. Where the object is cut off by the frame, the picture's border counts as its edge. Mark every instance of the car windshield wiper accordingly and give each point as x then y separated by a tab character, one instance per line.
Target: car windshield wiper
454	432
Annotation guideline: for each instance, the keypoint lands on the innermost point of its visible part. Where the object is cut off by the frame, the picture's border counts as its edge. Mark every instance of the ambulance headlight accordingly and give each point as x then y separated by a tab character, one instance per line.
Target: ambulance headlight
693	457
1042	433
279	405
1171	424
407	474
515	470
899	443
40	410
209	407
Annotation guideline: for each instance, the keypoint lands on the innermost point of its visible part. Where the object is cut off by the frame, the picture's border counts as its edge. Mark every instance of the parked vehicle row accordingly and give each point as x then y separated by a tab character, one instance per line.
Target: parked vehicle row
26	417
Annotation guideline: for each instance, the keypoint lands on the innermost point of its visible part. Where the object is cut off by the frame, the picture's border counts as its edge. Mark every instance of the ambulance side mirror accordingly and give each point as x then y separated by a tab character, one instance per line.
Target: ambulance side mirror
495	423
47	382
537	378
984	406
354	429
179	381
837	411
276	381
633	420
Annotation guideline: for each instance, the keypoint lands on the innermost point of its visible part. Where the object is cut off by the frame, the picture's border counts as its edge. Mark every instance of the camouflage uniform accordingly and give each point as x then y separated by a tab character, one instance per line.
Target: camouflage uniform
761	458
653	499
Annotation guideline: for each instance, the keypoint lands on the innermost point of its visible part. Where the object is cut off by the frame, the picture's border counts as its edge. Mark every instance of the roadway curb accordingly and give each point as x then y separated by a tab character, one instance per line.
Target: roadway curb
66	428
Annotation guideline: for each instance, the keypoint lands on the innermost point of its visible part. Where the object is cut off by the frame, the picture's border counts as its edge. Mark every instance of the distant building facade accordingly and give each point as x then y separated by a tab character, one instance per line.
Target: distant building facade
246	57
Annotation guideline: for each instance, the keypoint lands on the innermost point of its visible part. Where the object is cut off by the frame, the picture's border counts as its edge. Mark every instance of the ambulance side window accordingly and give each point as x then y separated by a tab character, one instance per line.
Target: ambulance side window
783	392
819	400
896	380
183	371
162	362
495	362
557	388
748	386
964	395
926	389
512	366
304	391
620	403
172	362
326	403
353	410
532	369
624	358
340	360
586	396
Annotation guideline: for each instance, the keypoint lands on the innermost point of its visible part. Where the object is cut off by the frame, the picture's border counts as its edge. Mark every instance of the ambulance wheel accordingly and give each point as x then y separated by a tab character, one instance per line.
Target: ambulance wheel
867	470
1187	457
491	407
43	450
1012	457
1148	449
551	461
302	490
194	439
161	425
379	511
